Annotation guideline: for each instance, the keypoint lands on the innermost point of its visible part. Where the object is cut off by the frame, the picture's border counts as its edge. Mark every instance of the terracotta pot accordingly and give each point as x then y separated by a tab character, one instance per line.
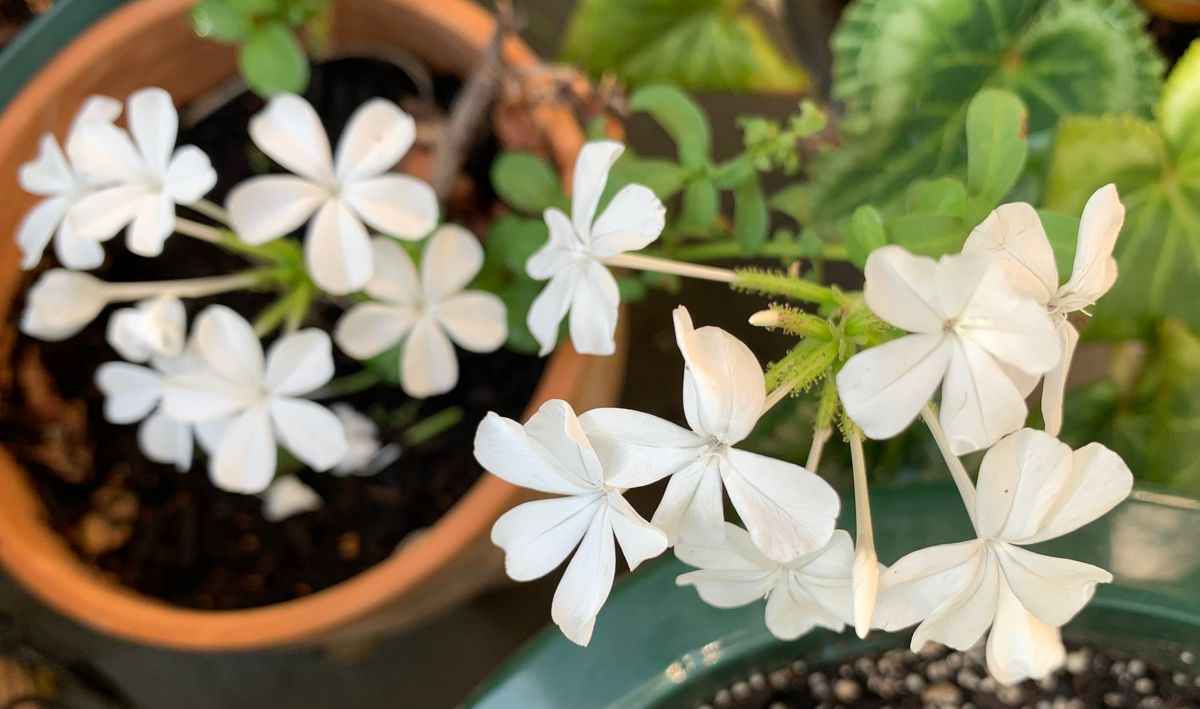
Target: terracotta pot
150	43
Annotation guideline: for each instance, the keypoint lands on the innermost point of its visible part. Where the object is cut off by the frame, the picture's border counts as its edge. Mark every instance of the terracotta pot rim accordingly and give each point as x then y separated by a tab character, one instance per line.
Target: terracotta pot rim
76	590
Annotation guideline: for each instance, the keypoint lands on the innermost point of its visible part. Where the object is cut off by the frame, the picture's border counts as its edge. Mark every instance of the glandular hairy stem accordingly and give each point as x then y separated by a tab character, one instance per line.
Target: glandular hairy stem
803	365
775	283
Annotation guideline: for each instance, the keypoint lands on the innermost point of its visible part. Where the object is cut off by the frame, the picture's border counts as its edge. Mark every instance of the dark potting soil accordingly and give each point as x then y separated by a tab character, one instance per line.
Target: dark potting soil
175	536
940	678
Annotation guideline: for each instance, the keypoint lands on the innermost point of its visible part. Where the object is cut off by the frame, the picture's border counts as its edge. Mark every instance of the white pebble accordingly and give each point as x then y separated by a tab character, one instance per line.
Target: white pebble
847	690
1144	685
1076	663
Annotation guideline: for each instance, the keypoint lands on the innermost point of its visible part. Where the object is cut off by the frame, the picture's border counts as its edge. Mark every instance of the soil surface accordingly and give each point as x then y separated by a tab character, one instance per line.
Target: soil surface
940	678
175	536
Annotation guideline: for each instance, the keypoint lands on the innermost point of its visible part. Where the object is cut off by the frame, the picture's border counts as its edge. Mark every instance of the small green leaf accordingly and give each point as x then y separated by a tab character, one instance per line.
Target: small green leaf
700	205
945	195
996	144
1063	231
514	239
664	177
750	217
632	289
866	234
250	8
218	20
795	200
681	118
1179	106
526	183
273	62
928	234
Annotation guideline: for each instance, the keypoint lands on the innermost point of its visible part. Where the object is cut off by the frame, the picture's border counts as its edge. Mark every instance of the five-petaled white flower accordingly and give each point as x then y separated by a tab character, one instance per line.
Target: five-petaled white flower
429	312
343	191
51	176
1014	236
152	328
287	497
141	179
968	322
552	454
573	259
808	592
788	511
261	399
1032	488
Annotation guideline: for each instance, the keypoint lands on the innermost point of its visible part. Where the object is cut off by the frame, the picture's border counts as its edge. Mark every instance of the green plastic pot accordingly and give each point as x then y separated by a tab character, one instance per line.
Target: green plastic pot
658	645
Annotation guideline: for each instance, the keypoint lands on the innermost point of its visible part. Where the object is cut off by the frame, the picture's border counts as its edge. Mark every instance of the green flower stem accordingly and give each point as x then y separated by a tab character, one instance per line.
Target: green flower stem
725	250
803	365
821	436
432	426
196	230
350	384
966	488
781	284
213	211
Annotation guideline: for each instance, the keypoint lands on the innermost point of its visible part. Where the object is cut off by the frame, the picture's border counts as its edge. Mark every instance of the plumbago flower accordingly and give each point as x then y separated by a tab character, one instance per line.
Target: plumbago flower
808	592
152	328
428	313
259	398
62	185
1032	488
1014	236
141	178
552	454
287	497
788	511
573	259
967	322
347	192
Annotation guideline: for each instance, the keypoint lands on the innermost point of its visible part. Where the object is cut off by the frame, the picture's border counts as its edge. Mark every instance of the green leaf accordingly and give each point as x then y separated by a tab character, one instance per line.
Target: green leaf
795	200
1063	232
250	8
697	44
996	145
526	182
866	234
928	234
906	72
218	20
700	206
514	239
1173	450
664	177
681	118
750	216
1179	106
273	62
944	195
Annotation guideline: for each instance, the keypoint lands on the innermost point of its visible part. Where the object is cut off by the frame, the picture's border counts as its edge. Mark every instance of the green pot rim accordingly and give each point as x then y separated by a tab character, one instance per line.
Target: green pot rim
658	645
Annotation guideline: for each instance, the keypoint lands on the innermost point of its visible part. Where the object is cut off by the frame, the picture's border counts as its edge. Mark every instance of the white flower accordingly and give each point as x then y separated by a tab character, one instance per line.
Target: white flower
288	497
1014	236
61	303
362	441
1031	488
808	592
968	322
152	328
788	511
343	191
552	454
143	177
429	313
52	177
261	399
573	259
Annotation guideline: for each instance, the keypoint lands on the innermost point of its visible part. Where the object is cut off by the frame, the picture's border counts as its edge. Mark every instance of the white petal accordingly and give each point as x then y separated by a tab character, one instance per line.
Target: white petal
537	536
1021	646
731	574
1013	328
48	174
153	328
548	309
37	227
105	154
95	108
74	251
639	540
395	279
962	619
61	303
210	433
289	131
586	582
200	396
788	511
560	433
227	343
902	289
735	552
921	581
1055	387
475	320
1099	481
791	612
130	391
631	221
190	175
864	586
265	208
692	509
164	440
591	174
594	307
245	461
300	362
725	392
103	213
370	328
452	258
636	448
1013	236
510	451
1095	268
377	135
979	403
153	223
154	125
883	388
362	440
396	205
1052	589
965	279
309	431
814	591
1021	480
562	250
428	364
338	250
288	497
